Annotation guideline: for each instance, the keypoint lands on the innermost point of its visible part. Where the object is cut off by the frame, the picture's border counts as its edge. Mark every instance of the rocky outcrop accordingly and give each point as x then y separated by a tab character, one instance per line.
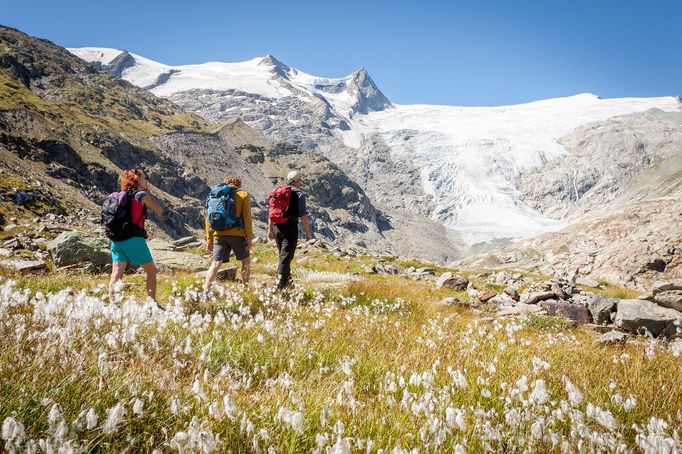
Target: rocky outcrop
645	317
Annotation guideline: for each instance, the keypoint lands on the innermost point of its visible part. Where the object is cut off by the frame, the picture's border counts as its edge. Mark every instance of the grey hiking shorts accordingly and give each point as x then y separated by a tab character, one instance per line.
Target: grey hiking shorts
224	244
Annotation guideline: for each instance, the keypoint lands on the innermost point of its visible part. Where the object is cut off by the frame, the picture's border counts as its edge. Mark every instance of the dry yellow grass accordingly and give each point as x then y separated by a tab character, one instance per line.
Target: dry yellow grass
376	361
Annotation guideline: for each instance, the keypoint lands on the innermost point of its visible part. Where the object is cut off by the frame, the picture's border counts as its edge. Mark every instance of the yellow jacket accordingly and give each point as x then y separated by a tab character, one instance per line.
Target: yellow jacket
242	204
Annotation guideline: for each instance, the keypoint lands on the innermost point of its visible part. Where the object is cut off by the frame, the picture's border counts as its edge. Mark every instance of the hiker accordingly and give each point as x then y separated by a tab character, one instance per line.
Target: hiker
287	205
128	237
228	228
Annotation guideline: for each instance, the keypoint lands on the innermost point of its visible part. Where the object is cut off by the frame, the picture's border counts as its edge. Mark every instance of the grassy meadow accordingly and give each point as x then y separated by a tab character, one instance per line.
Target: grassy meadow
346	362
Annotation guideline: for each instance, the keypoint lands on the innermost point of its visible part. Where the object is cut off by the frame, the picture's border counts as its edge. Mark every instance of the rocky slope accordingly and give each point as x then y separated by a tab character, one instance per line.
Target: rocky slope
609	163
634	245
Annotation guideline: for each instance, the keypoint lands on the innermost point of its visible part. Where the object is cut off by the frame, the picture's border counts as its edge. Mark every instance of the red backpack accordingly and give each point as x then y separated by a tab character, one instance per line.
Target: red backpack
280	198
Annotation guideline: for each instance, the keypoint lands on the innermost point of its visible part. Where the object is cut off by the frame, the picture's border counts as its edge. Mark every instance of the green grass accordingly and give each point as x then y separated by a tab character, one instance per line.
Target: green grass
81	105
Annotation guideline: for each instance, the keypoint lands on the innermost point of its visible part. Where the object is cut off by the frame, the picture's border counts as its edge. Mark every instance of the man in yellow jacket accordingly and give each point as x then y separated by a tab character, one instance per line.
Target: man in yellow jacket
238	239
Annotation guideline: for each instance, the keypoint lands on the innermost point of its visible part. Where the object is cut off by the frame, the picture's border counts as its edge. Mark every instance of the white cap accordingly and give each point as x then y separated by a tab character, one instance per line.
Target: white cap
293	176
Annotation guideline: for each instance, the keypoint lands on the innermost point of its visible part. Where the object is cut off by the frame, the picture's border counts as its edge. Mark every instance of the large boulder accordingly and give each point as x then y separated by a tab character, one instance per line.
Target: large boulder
669	298
74	247
447	280
178	260
645	317
157	244
601	307
575	312
664	286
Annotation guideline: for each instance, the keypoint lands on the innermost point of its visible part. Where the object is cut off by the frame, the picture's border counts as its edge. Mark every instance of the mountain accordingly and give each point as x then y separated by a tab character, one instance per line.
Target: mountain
67	129
470	169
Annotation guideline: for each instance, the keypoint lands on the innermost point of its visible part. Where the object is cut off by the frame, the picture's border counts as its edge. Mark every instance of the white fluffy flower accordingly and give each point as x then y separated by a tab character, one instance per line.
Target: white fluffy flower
342	446
539	395
656	439
574	394
293	419
91	419
455	417
231	408
603	417
138	407
12	430
114	418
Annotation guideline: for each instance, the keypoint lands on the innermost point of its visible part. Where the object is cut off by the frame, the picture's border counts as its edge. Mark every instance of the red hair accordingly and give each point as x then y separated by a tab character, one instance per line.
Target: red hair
130	179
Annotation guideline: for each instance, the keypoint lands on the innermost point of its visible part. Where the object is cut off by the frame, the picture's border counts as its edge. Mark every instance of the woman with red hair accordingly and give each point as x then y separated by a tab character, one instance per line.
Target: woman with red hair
135	249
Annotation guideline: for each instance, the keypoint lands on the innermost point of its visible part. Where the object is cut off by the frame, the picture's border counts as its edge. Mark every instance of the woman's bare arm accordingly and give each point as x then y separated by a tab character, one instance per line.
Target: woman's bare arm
152	204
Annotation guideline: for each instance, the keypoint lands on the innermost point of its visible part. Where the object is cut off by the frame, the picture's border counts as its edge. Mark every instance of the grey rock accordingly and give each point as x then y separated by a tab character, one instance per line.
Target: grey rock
536	297
443	278
512	292
175	260
601	307
448	281
77	247
184	240
13	243
664	286
669	298
226	274
23	265
558	291
189	245
4	252
502	299
587	282
645	317
611	337
519	308
390	269
453	301
158	244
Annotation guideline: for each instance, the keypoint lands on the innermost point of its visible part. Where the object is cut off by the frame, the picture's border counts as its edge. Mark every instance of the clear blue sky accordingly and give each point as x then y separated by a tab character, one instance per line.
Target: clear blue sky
436	52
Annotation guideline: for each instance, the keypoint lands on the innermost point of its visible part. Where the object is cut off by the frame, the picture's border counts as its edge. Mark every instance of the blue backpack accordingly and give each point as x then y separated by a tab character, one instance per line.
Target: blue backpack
220	208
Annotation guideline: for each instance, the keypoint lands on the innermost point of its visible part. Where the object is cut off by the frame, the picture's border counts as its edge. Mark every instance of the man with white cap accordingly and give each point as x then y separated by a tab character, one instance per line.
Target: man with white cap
287	205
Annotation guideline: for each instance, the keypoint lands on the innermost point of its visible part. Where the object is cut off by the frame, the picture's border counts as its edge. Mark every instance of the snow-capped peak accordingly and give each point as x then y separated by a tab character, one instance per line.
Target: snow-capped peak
265	76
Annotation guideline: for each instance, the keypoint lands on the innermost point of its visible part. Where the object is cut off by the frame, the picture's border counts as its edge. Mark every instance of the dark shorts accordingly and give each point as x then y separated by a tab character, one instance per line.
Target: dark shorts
224	244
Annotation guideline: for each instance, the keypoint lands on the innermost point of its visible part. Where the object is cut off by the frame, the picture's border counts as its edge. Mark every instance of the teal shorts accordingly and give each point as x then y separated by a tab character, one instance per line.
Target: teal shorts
133	250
